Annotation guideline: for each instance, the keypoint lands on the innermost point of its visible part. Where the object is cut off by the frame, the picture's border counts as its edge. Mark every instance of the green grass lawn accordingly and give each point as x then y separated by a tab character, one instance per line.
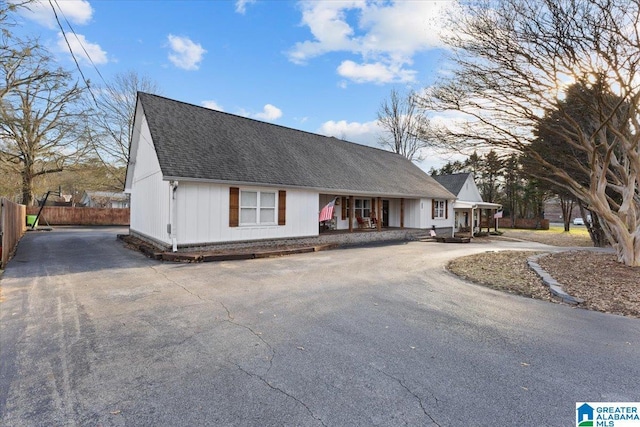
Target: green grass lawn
556	236
576	230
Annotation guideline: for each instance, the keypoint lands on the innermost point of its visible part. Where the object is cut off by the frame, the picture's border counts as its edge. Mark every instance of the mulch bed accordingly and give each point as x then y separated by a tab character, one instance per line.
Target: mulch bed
599	279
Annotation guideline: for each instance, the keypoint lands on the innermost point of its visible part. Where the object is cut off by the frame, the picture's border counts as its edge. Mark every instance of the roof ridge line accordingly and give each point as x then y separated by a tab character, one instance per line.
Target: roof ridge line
269	123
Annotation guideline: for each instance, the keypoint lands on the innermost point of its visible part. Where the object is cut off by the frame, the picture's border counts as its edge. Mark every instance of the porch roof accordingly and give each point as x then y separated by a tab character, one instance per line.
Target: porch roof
461	204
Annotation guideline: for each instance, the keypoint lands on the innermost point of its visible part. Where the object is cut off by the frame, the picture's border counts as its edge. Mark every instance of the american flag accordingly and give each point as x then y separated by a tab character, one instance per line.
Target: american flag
498	215
327	212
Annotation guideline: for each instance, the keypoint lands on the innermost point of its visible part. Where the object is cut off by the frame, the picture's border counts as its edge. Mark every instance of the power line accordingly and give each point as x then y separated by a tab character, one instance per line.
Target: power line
64	34
78	39
95	100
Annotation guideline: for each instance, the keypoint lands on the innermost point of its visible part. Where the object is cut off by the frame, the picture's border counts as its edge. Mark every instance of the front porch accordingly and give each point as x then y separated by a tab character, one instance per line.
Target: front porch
469	216
367	213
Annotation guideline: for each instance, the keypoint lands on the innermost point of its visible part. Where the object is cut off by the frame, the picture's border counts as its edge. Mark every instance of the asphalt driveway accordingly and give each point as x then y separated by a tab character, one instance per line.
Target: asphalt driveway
93	334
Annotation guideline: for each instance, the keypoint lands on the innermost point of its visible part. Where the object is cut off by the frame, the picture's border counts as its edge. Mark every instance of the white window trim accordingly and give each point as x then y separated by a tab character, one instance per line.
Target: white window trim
439	209
258	208
362	207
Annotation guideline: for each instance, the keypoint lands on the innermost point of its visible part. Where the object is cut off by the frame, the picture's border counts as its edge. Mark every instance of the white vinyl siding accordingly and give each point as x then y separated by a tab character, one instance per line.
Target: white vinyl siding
203	215
149	193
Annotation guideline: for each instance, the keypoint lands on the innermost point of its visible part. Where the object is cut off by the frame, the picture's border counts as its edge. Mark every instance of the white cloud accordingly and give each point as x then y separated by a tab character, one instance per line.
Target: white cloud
75	11
368	133
363	133
212	105
386	35
241	5
375	73
327	22
82	49
185	53
269	113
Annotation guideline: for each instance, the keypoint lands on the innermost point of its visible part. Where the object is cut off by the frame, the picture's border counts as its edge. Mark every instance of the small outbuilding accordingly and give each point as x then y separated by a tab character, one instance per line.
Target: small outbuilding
201	177
469	207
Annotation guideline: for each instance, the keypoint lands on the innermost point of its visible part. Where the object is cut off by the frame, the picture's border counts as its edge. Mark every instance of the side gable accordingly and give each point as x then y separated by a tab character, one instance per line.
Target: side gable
462	185
469	191
150	194
143	159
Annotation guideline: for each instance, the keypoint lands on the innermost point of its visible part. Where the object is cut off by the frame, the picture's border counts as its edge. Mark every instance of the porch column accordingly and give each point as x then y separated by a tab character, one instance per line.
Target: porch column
379	213
402	212
475	218
352	212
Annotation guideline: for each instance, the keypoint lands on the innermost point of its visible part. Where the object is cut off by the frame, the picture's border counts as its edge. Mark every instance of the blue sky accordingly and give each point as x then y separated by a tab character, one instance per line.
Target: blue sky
318	66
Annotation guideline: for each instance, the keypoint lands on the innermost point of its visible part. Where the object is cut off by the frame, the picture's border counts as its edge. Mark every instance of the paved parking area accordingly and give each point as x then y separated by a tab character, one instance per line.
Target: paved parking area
92	333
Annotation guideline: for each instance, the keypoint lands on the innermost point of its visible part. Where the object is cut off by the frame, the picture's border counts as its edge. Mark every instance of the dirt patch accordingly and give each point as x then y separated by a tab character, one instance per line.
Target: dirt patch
603	283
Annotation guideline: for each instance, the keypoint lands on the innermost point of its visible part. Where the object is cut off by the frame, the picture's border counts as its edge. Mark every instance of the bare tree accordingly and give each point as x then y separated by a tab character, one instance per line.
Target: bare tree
13	51
406	127
112	125
40	124
513	60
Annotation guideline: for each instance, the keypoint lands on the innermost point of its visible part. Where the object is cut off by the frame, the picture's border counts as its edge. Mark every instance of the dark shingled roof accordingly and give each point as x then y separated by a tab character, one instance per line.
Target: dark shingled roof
453	182
199	143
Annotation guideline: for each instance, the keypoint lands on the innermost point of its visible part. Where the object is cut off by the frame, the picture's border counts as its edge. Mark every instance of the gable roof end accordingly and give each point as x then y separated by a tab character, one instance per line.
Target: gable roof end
453	182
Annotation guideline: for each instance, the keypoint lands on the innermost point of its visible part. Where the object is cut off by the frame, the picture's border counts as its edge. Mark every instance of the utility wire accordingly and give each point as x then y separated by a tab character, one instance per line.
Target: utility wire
95	100
77	38
64	34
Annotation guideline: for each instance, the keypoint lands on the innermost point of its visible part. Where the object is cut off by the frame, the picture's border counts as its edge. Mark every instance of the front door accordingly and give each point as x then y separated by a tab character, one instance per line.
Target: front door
385	213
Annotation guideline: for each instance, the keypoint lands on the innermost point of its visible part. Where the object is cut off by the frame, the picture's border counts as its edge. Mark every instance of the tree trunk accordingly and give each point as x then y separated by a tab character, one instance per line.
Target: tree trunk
625	243
27	188
567	207
628	250
592	222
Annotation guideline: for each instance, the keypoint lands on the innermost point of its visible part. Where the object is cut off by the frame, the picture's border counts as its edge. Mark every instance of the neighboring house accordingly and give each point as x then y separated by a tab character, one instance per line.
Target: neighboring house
198	177
104	199
469	206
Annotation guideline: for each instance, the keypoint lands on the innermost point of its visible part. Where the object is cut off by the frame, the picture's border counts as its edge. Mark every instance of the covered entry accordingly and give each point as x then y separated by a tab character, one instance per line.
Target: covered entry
468	215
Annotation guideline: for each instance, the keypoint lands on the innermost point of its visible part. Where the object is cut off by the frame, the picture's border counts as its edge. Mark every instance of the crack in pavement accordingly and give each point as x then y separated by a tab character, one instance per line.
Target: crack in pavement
418	398
230	319
176	283
272	387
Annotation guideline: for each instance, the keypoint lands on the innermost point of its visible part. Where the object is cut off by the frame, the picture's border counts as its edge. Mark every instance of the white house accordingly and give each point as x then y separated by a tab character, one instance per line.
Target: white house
469	204
104	199
197	176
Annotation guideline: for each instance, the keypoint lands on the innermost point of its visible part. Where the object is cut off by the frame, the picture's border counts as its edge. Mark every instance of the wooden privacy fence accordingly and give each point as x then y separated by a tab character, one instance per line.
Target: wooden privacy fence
64	215
12	227
526	223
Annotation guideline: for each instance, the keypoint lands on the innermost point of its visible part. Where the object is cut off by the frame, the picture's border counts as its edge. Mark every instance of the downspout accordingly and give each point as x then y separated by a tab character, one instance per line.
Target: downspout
173	185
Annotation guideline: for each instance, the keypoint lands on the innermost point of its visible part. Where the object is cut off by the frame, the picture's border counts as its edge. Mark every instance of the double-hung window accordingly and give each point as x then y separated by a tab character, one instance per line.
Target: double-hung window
257	207
362	208
439	209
